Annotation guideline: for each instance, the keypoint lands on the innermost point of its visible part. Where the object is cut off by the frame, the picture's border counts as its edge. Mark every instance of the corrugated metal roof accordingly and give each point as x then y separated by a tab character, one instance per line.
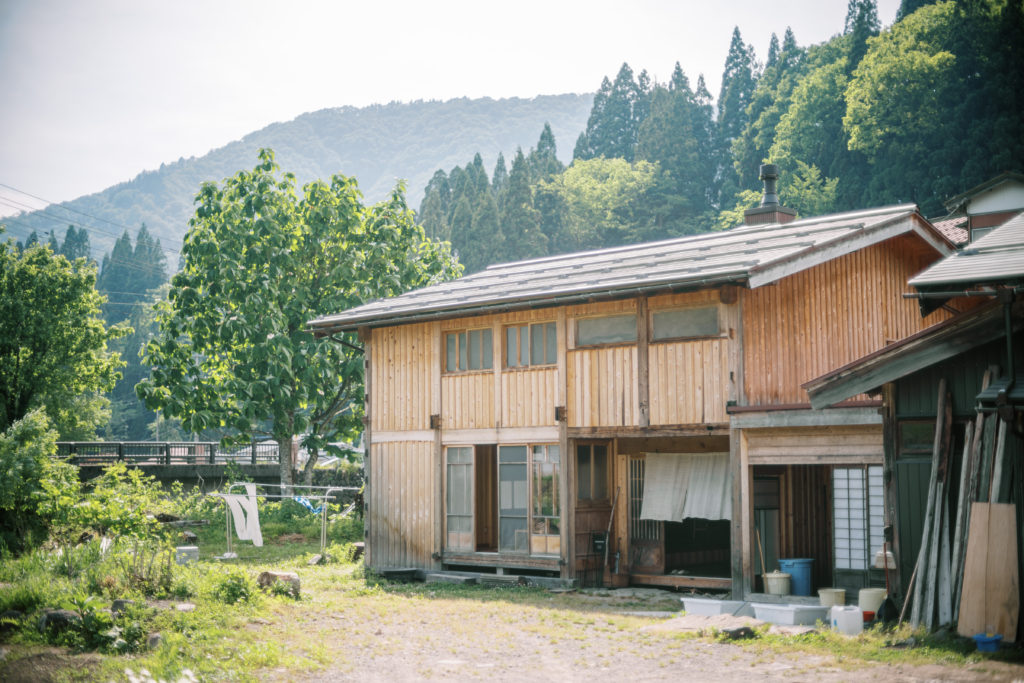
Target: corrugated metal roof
682	263
997	257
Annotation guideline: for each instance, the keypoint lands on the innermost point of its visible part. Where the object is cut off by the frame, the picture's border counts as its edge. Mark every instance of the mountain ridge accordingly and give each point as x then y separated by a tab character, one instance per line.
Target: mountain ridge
376	144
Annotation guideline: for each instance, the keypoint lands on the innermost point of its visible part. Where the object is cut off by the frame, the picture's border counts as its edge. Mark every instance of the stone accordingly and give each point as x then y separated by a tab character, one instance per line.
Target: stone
739	633
358	549
189	537
186	554
315	560
185	607
154	641
267	579
9	621
119	605
58	620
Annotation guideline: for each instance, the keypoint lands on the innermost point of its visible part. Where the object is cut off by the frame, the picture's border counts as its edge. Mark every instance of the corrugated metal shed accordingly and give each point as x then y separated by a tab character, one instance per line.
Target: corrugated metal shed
997	257
754	255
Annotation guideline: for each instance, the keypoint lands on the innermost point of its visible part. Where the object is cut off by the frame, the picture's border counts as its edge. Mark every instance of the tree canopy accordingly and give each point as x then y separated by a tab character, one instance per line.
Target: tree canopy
261	261
53	342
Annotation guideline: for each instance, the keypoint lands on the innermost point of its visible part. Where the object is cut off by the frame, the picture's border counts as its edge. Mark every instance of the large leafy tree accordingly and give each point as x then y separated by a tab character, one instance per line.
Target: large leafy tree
53	342
260	261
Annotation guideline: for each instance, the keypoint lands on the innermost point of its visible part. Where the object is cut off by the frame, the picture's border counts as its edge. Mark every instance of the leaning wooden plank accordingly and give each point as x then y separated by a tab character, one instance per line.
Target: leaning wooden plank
998	460
922	557
972	599
991	595
960	527
932	577
988	439
944	587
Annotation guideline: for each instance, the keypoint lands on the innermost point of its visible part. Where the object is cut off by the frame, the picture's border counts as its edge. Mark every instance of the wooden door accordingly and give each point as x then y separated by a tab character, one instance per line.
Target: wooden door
646	537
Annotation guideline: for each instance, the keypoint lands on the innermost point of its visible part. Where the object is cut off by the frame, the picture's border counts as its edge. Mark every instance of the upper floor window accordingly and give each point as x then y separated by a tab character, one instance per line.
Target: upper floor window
685	322
468	350
612	329
533	344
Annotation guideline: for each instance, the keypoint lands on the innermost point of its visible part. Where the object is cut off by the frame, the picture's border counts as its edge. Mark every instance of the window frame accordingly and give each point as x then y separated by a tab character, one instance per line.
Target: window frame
577	344
548	325
673	309
457	334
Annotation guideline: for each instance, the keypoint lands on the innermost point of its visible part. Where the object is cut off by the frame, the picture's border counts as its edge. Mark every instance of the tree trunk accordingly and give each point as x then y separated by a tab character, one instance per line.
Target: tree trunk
313	455
285	456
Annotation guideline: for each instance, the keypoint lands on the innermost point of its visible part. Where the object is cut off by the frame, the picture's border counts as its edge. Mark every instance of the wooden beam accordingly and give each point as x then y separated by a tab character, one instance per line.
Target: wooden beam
828	417
648	432
676	581
506	435
438	450
643	364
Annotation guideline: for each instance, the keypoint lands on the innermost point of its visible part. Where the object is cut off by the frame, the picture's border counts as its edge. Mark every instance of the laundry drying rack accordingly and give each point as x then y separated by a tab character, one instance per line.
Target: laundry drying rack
324	495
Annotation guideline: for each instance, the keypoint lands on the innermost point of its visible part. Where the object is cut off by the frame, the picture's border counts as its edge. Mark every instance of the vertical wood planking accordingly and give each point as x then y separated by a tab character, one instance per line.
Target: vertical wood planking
817	320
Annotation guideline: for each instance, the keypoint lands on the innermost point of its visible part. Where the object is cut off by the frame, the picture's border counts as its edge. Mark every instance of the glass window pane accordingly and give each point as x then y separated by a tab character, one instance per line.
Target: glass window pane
474	349
449	344
511	347
553	455
462	351
550	346
583	472
600	472
608	330
513	536
536	344
690	322
524	345
487	350
507	454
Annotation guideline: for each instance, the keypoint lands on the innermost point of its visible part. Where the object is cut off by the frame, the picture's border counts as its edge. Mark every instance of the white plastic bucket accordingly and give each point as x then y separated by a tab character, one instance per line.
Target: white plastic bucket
832	596
870	599
776	583
847	620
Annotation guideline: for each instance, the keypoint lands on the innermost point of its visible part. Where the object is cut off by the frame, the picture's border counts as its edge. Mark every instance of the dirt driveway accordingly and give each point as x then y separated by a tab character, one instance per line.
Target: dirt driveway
618	636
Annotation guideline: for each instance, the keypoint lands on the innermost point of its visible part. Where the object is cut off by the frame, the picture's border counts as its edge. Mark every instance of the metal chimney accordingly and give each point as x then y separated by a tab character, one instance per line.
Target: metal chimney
769	211
770	176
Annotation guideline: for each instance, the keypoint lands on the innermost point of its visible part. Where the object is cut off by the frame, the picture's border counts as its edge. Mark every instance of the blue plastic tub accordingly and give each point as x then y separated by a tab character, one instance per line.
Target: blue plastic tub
988	643
800	569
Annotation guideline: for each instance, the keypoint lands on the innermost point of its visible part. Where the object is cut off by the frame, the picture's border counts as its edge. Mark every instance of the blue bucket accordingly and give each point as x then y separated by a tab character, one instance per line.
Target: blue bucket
800	570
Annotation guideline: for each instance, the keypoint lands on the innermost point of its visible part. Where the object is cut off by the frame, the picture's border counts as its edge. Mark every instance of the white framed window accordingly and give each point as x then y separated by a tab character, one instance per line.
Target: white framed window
858	514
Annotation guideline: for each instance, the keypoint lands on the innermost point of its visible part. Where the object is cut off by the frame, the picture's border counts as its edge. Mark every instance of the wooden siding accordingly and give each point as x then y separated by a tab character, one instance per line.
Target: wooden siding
689	382
603	387
467	401
401	366
528	397
822	318
816	445
401	505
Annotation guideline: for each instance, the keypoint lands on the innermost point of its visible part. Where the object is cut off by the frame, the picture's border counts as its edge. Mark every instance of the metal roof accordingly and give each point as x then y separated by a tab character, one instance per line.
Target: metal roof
996	257
763	252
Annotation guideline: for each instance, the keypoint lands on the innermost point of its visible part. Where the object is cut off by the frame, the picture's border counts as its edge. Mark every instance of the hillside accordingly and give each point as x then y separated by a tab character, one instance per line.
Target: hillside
376	144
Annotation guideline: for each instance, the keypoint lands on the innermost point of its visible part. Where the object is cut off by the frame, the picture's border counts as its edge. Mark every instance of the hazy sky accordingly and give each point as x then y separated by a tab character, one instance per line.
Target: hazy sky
95	91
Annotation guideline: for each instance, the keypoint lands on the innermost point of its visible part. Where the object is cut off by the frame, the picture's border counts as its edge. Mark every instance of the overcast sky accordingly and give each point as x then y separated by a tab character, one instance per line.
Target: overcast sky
96	91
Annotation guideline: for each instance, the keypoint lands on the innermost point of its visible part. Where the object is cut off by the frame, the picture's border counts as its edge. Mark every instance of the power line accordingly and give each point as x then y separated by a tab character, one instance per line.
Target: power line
67	208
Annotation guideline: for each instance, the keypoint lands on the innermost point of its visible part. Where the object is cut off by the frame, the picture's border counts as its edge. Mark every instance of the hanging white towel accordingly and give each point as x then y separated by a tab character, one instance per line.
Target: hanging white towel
680	486
245	514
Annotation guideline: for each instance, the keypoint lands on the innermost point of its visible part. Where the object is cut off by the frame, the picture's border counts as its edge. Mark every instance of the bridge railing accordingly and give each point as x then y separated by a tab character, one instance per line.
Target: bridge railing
164	452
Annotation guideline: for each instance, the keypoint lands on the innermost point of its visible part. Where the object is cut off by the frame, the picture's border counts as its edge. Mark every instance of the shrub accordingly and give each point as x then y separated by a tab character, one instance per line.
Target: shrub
234	586
26	458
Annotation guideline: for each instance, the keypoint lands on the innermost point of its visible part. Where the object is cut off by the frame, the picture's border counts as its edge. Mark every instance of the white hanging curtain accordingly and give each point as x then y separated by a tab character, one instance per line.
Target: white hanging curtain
679	486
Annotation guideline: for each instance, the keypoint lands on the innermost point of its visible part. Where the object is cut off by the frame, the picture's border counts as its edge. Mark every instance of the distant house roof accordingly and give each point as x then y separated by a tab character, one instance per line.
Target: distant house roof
995	258
958	203
954	228
750	255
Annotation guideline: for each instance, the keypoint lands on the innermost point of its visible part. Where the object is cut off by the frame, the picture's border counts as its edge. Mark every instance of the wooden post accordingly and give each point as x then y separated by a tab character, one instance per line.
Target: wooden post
998	457
438	450
959	528
643	364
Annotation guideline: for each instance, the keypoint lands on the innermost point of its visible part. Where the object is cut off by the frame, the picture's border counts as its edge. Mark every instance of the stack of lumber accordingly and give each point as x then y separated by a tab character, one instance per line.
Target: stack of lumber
967	567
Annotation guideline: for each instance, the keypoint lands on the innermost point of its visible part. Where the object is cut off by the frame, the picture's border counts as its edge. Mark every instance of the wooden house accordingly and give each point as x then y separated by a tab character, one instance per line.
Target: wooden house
986	435
635	411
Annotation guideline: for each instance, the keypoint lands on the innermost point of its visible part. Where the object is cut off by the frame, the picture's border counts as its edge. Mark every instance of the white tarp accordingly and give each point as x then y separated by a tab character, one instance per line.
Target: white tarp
679	486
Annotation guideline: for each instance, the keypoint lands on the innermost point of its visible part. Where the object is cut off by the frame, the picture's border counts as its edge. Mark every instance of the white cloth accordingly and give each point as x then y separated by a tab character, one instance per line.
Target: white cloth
245	515
682	486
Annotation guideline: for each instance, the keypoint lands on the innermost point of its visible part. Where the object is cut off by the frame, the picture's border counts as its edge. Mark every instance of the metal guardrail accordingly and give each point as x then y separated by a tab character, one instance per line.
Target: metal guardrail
165	453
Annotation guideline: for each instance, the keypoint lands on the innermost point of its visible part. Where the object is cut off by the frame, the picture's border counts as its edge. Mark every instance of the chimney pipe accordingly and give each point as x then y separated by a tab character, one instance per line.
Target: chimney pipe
770	210
769	175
